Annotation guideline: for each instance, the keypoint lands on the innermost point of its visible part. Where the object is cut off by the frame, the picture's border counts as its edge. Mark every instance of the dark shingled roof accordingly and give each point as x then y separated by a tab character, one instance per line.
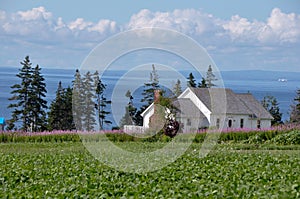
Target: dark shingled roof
214	99
186	108
254	105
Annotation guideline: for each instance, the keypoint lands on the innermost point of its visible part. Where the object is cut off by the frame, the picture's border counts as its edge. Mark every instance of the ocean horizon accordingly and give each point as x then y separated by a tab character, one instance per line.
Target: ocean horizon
258	82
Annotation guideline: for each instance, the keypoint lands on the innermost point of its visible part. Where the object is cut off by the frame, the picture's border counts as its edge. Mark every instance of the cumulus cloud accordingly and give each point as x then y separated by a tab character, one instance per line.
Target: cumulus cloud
35	14
39	26
79	24
278	28
189	21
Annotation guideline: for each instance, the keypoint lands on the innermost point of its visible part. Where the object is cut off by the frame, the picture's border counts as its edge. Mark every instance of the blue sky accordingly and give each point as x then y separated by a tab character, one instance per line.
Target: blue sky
238	35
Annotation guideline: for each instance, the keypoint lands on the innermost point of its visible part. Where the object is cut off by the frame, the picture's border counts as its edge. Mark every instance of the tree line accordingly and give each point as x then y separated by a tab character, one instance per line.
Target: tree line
84	105
80	107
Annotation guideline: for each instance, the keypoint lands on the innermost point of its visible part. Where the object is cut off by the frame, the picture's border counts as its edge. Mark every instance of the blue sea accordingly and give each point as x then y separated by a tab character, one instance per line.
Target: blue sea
259	83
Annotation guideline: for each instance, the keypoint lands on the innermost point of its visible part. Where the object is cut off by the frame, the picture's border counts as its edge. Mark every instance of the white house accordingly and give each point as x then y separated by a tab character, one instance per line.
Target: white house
199	108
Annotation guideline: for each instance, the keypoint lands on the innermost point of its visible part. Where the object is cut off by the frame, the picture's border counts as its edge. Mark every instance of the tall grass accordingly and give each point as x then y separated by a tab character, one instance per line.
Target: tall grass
235	135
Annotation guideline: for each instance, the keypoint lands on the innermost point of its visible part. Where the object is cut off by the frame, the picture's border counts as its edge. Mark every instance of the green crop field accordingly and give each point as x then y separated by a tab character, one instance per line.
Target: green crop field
67	170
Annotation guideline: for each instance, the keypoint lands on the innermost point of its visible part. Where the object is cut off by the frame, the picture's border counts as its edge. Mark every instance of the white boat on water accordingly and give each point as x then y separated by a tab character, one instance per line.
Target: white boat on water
282	80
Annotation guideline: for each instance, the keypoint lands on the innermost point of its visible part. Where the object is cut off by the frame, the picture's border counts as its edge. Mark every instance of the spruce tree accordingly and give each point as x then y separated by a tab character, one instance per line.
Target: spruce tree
60	116
37	102
101	102
149	87
177	90
210	77
148	95
270	104
202	84
20	96
130	111
78	100
295	113
89	105
29	106
68	113
56	113
191	81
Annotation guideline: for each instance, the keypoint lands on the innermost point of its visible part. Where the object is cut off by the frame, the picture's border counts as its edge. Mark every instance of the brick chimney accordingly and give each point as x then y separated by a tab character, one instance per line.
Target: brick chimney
157	120
156	96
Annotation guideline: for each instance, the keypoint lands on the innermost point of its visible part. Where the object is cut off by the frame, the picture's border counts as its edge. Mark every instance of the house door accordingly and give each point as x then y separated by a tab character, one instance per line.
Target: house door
229	123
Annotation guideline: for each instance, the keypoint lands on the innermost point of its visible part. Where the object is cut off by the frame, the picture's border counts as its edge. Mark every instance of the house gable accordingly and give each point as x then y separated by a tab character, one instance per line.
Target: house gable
189	94
147	114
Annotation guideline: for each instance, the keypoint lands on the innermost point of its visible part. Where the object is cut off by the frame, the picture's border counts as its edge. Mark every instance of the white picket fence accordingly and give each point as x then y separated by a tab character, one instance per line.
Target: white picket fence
133	129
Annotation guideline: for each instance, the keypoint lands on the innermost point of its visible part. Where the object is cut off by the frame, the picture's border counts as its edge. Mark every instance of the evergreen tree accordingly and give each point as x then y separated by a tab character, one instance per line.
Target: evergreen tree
29	106
270	104
78	100
20	95
60	116
148	95
130	111
295	113
68	113
149	88
177	90
131	107
210	77
191	81
101	102
37	102
56	113
89	105
202	84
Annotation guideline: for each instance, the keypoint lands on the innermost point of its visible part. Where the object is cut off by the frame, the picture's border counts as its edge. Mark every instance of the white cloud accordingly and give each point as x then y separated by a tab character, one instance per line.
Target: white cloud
189	21
279	28
35	14
79	24
39	23
285	26
104	26
39	30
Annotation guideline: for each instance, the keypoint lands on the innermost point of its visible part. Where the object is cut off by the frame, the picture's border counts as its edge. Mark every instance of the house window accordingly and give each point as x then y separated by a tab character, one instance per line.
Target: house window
258	124
218	123
242	123
229	123
188	122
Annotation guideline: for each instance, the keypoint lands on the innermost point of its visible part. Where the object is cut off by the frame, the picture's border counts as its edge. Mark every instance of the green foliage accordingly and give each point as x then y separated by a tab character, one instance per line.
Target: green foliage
78	100
89	102
40	138
290	138
270	104
130	111
60	116
88	119
206	82
28	96
295	113
202	84
177	90
191	81
148	95
149	87
210	77
65	170
101	102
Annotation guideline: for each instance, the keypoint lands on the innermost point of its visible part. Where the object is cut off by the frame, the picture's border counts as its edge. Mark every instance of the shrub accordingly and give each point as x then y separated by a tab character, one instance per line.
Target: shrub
290	138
